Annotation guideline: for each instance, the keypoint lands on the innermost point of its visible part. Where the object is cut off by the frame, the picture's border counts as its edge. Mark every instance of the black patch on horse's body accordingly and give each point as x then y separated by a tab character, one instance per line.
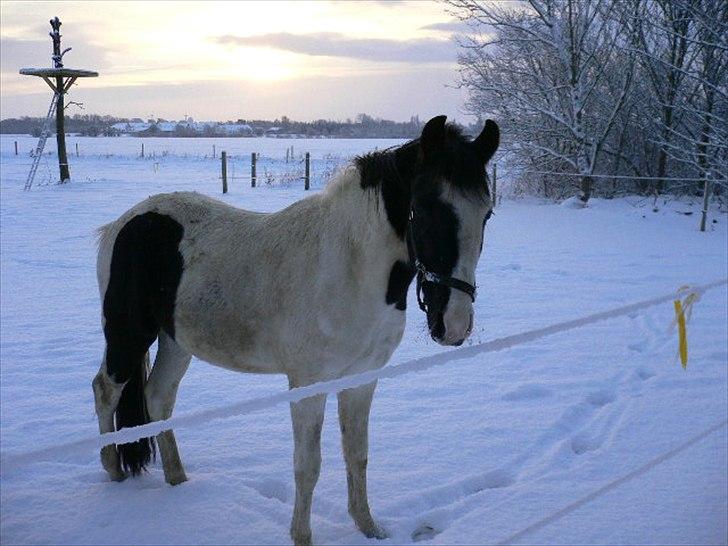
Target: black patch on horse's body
146	267
400	278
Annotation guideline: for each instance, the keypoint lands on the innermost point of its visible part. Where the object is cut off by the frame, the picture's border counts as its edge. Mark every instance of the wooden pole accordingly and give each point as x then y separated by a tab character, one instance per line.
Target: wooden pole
214	152
253	161
142	149
76	149
706	199
60	122
16	147
223	155
307	178
495	186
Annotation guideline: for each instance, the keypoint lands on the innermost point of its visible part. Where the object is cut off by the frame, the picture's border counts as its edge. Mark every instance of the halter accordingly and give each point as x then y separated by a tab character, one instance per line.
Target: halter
424	275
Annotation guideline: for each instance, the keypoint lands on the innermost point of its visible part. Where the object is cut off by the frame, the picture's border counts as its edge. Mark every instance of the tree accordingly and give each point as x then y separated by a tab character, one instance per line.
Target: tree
553	73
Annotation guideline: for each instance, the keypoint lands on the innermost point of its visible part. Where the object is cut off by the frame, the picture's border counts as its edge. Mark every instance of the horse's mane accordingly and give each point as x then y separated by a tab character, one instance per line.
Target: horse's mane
393	164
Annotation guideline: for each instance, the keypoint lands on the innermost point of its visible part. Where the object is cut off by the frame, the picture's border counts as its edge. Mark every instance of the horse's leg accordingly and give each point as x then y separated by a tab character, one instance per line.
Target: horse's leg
160	392
106	397
307	417
354	405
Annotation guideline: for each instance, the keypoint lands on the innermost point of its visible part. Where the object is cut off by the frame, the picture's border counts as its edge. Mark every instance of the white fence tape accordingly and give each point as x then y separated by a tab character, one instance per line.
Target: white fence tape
62	451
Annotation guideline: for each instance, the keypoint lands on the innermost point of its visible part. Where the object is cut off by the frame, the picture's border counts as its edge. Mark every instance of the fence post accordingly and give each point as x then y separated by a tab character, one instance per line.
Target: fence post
223	155
253	169
76	149
706	198
214	152
307	179
495	185
16	147
142	149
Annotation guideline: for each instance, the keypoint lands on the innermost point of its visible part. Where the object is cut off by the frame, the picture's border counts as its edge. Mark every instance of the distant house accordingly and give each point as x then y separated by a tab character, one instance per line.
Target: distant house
132	127
237	129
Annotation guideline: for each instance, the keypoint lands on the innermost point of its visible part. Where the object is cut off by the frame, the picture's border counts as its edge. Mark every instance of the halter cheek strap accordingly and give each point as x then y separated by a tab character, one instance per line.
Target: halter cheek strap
423	276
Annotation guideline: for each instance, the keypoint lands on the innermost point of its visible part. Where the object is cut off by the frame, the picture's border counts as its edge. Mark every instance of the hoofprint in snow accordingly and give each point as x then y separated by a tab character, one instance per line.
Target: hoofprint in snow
471	452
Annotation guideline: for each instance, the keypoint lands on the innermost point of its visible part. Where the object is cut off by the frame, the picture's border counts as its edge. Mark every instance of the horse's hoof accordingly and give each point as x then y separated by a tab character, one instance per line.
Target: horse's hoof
375	531
176	479
117	476
303	539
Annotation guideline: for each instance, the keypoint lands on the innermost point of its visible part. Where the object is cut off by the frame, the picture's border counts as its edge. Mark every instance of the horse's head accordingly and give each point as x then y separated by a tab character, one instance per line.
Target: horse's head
449	208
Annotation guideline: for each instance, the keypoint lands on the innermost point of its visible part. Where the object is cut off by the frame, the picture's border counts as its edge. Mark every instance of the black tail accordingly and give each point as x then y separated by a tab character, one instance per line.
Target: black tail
132	412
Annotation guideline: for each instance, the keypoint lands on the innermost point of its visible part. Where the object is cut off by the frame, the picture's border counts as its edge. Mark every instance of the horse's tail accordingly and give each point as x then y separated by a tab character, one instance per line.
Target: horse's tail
127	357
131	412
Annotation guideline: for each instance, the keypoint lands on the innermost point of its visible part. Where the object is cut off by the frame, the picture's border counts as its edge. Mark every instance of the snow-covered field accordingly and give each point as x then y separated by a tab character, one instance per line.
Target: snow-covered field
468	453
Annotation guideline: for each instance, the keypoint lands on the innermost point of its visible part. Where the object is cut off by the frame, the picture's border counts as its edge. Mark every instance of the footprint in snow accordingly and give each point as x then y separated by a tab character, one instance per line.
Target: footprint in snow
583	442
600	398
271	489
424	532
527	392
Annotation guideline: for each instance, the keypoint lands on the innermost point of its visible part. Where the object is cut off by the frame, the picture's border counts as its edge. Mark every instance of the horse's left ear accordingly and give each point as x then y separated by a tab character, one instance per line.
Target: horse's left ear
487	142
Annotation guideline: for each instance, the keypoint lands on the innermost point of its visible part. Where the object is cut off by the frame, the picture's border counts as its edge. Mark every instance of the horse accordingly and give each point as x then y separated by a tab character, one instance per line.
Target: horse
315	291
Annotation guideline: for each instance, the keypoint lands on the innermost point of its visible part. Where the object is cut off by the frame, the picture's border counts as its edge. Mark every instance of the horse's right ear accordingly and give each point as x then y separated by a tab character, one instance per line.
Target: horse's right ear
433	135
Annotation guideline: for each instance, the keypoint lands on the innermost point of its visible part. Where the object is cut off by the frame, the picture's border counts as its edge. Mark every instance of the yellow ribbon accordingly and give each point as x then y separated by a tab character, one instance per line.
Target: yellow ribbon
683	312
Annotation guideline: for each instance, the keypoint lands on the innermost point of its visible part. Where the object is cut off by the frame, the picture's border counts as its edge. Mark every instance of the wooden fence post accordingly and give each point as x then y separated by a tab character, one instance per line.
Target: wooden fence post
76	149
214	152
706	199
142	149
307	179
495	186
223	155
253	173
16	147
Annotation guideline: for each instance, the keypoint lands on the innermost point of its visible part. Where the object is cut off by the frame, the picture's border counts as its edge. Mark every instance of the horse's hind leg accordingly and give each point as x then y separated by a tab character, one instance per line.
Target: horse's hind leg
170	366
106	396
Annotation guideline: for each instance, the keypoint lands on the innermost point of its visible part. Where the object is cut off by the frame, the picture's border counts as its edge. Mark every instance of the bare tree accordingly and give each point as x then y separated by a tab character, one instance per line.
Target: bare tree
547	70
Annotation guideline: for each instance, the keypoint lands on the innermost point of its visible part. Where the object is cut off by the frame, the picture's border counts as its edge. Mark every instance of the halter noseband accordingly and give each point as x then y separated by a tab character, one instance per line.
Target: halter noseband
424	275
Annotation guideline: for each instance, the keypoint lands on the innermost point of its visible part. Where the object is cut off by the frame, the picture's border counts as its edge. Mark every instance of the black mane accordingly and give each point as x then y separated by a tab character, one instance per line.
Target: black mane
458	163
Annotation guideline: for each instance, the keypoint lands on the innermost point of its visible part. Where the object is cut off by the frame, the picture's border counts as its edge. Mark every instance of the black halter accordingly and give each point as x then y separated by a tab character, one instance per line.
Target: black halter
424	275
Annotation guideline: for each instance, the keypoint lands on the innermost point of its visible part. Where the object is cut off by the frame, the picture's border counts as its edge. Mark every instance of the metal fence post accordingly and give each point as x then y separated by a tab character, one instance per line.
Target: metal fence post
307	178
224	172
495	187
253	169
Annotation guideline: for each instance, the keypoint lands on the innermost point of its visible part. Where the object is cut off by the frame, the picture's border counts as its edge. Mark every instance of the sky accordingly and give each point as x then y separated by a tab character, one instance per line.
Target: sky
230	60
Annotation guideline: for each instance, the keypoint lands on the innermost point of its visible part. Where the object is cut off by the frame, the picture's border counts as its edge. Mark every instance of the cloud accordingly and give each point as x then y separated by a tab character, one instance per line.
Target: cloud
452	25
331	44
16	54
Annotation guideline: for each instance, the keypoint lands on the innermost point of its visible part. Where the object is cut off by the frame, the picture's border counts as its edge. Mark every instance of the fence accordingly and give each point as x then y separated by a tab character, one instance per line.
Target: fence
289	171
193	419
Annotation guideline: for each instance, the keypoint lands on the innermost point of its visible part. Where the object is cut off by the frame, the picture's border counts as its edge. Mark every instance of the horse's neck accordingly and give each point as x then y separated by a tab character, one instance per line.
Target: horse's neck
372	217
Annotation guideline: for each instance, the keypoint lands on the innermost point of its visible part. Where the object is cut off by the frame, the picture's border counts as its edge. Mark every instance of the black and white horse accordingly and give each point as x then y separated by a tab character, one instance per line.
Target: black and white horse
316	291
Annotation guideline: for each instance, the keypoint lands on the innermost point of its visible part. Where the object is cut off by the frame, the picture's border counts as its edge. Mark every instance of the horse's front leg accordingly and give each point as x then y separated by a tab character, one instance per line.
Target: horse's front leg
307	417
354	406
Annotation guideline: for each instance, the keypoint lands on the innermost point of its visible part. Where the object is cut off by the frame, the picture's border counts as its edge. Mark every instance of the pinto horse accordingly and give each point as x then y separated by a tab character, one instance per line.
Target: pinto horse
315	291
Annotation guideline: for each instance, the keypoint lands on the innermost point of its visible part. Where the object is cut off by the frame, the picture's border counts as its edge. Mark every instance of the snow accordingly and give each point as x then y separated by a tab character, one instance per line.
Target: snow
470	452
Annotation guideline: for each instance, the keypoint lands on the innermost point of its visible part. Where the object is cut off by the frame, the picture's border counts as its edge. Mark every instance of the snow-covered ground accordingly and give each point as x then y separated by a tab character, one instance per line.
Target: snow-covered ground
467	453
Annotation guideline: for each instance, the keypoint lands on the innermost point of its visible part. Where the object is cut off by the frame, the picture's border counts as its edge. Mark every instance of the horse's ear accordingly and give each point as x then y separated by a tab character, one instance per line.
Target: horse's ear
487	142
433	135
